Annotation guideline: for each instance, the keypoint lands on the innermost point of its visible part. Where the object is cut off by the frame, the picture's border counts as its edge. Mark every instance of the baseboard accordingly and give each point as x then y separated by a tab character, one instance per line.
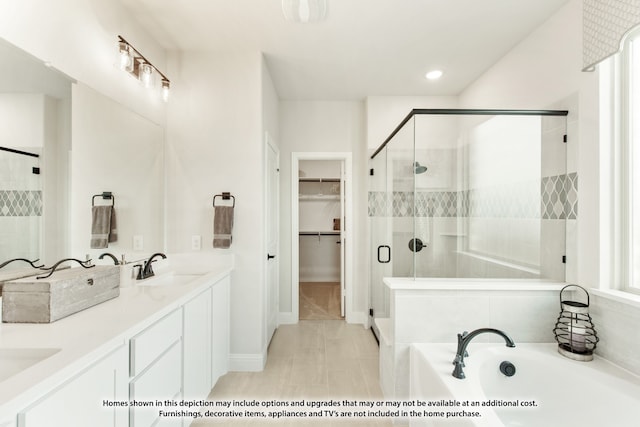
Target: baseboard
287	318
247	362
357	317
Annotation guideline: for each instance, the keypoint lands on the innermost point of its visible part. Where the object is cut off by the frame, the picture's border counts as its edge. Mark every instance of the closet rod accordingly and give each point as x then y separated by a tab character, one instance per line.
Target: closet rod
320	180
319	233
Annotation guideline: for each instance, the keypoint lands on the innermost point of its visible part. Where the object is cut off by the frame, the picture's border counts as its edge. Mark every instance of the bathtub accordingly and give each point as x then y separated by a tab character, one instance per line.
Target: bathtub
548	389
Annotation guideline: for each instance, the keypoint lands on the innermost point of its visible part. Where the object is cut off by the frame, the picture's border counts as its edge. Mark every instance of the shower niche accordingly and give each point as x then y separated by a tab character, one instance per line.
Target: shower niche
470	194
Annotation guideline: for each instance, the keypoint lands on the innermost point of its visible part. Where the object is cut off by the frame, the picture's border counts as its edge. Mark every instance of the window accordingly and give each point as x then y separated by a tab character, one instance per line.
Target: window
627	172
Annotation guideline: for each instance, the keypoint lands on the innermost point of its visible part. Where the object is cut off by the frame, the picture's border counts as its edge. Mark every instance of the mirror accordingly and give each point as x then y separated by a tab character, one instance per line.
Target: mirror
35	109
116	150
82	143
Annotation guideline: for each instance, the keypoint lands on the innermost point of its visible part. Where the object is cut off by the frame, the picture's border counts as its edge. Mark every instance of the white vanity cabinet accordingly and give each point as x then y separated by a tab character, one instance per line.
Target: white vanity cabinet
156	369
197	346
79	402
175	356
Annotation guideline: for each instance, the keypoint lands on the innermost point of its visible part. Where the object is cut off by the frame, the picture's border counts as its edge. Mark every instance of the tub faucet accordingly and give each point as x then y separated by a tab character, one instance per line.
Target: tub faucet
146	271
463	341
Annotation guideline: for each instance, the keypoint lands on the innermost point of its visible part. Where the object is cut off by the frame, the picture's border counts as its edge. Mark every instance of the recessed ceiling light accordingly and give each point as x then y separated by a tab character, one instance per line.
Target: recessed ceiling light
433	75
304	11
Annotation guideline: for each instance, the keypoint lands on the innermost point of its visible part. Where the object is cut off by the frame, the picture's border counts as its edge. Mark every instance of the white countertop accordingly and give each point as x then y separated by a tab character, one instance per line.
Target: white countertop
85	337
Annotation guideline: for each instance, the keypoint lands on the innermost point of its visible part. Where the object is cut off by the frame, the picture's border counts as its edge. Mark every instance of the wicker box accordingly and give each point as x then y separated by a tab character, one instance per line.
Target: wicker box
69	291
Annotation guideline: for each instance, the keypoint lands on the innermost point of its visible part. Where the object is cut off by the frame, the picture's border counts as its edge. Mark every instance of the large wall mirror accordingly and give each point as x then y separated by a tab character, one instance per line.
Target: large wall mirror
61	142
35	110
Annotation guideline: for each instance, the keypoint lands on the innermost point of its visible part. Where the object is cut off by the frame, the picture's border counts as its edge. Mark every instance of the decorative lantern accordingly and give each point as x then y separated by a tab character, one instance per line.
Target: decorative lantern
574	329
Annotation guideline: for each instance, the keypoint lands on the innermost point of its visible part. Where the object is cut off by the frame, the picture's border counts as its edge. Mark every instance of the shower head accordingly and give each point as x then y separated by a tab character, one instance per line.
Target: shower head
418	168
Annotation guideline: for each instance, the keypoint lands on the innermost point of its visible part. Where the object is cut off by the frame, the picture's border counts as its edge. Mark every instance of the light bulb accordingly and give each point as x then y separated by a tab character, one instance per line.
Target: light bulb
125	59
165	90
146	74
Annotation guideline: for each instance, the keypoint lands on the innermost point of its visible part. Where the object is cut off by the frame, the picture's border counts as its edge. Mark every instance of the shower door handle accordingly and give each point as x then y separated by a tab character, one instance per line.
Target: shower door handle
388	248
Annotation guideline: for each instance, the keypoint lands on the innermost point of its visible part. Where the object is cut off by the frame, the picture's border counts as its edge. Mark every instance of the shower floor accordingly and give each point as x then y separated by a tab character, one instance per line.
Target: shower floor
319	301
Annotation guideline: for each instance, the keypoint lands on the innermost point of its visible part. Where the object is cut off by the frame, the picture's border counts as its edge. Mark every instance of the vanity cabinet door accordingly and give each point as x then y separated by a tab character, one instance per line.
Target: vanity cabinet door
197	347
160	381
79	402
220	324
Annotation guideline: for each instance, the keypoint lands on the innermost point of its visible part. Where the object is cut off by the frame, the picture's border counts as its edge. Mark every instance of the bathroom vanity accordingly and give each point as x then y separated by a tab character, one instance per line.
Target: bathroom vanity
165	338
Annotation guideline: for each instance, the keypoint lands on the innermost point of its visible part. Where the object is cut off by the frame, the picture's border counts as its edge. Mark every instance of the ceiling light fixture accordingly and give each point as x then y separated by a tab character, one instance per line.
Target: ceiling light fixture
133	62
304	11
433	75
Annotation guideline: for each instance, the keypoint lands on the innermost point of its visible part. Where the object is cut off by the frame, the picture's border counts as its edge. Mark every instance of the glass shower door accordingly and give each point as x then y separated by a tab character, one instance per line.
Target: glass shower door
381	261
20	204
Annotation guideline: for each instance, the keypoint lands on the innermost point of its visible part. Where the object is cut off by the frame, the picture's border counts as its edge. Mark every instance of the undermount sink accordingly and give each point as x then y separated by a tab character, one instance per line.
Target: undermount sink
168	279
15	360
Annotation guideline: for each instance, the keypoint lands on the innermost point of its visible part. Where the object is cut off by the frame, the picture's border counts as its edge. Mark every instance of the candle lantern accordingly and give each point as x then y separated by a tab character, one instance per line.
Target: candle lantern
574	330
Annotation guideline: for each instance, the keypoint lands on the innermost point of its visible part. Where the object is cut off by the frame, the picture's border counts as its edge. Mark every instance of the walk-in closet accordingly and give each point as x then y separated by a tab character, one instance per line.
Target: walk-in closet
320	202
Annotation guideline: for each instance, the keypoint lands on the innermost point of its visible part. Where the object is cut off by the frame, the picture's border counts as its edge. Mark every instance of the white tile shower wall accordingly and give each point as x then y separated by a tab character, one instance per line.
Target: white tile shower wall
617	326
423	316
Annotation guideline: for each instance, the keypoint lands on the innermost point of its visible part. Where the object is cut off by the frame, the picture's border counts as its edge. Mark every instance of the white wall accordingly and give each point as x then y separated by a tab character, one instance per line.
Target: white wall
215	143
325	126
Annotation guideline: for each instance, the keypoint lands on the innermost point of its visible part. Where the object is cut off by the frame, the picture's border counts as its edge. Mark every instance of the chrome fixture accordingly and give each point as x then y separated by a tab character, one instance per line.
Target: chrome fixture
134	63
463	341
31	263
146	271
574	330
418	168
113	257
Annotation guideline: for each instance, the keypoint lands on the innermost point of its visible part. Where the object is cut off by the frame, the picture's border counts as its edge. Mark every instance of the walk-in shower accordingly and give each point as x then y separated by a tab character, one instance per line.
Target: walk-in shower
20	202
470	194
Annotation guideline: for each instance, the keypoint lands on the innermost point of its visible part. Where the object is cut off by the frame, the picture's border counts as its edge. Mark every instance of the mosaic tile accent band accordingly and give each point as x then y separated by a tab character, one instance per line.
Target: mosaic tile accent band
557	198
20	203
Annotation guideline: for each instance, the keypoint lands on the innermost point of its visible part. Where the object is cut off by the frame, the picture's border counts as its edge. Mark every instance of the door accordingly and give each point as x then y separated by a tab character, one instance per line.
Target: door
381	262
272	261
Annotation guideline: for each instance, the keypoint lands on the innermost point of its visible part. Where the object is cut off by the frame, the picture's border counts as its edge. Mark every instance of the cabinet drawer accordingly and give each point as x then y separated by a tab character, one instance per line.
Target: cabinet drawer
153	341
163	380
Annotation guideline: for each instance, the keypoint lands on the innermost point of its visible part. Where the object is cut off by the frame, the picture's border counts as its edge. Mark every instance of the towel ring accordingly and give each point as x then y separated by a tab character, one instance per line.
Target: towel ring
106	195
225	196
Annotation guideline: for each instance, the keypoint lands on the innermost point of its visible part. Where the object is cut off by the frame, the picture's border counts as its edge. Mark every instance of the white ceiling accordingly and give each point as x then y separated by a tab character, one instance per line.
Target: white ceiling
364	47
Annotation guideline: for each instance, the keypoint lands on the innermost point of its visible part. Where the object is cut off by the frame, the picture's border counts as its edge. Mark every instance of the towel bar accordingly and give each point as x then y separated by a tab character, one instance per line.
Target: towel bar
106	195
225	196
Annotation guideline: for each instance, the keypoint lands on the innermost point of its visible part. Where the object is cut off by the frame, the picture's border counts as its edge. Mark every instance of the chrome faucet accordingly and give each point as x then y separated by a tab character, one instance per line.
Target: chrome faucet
146	271
463	341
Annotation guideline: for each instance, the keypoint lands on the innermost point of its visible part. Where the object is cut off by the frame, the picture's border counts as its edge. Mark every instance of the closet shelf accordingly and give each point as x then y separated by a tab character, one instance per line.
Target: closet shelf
318	197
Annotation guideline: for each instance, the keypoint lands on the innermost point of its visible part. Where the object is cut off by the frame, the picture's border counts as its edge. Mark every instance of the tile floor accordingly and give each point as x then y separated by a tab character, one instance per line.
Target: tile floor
313	360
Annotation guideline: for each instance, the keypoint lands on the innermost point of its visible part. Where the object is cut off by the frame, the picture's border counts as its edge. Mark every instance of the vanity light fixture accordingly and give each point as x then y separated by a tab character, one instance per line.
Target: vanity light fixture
133	62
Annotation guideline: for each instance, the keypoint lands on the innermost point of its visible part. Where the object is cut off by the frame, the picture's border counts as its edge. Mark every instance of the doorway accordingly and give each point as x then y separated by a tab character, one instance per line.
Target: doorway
321	253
